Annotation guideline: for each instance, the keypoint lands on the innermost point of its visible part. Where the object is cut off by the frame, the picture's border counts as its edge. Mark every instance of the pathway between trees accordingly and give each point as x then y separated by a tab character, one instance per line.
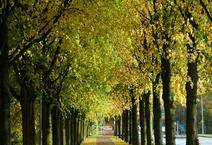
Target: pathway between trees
103	140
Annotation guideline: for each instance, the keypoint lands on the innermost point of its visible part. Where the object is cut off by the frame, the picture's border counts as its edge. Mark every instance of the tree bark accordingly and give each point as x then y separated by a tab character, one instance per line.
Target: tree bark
126	126
157	111
61	129
119	127
167	98
134	119
122	125
4	89
45	123
130	127
75	129
148	118
142	120
72	128
191	103
28	117
67	130
55	126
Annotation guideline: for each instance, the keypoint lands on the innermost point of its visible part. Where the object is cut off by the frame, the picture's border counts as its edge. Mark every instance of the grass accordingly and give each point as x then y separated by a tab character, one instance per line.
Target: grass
205	135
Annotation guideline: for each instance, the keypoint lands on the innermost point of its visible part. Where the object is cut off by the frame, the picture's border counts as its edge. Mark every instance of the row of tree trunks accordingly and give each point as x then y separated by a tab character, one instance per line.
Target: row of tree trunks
123	127
129	130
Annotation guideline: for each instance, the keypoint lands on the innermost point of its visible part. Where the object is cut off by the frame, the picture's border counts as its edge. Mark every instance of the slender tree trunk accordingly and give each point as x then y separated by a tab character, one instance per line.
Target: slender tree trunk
61	129
28	117
142	120
72	129
119	127
134	120
191	103
167	98
78	130
115	128
4	90
67	130
157	112
83	129
126	126
45	123
148	114
123	125
55	126
130	127
75	130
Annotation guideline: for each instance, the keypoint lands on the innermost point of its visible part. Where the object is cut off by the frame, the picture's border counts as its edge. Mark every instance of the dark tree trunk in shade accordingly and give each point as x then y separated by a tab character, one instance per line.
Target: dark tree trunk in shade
61	129
55	126
119	126
122	126
142	120
72	129
167	98
157	112
78	130
134	119
4	89
148	110
116	128
130	127
83	129
28	117
75	129
45	123
191	103
67	131
126	126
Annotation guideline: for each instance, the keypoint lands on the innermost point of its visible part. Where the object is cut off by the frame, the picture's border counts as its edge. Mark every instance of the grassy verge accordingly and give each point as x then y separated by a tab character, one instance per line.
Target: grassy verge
205	135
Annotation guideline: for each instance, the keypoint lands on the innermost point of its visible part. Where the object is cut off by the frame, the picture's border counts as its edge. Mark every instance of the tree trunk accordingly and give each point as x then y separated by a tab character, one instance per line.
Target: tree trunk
55	126
126	126
83	129
67	130
191	103
28	117
119	127
130	127
45	123
157	111
61	129
122	125
167	98
72	129
115	128
4	90
148	118
134	120
75	129
142	120
78	130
